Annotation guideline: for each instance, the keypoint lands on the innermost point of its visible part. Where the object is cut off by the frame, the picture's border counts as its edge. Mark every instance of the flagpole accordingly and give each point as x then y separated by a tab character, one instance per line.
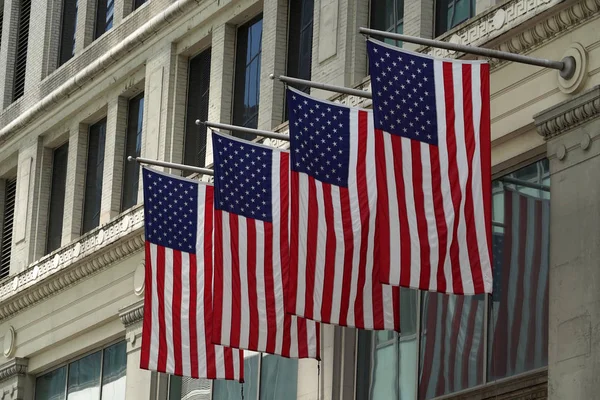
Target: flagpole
324	86
182	167
519	182
566	66
252	131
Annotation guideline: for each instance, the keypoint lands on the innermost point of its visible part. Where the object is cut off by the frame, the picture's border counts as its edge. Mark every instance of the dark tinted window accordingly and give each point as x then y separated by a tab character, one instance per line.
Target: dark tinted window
67	34
93	178
197	108
133	147
57	198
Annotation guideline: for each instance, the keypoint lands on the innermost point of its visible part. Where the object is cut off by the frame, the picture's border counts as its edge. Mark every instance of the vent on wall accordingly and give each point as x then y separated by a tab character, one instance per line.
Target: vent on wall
22	42
7	227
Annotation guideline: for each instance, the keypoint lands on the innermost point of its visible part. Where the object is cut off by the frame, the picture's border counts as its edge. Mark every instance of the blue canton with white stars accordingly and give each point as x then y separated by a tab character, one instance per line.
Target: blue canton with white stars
170	211
243	178
403	86
319	138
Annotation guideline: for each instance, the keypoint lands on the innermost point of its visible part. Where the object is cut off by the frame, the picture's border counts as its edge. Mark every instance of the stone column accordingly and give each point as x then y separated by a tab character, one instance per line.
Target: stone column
15	383
572	132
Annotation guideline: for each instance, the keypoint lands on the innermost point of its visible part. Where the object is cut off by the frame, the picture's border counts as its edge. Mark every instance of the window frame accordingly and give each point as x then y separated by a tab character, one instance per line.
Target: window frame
140	98
61	38
394	27
445	5
67	363
85	193
51	197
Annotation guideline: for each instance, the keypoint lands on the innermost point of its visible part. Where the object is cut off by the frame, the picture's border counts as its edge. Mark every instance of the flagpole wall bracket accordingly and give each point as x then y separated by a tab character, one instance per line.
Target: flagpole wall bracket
243	129
576	64
323	86
165	164
567	67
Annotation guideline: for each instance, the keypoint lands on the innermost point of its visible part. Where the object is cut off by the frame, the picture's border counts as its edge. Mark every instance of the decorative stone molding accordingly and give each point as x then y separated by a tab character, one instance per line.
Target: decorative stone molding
15	367
569	114
10	342
72	263
132	314
139	278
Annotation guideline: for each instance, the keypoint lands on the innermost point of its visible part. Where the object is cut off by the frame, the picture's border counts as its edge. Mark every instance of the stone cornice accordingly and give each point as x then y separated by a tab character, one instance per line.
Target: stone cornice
132	314
15	367
569	114
77	261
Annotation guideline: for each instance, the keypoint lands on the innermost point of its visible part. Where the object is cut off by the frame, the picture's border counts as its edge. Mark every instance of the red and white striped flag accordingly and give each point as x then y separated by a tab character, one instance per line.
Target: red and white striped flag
334	274
177	327
519	311
433	162
251	249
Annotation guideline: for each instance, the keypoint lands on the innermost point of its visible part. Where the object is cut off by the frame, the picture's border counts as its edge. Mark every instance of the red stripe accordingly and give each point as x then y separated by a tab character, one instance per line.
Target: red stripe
290	305
176	311
302	334
485	146
211	367
472	237
228	354
318	337
455	330
396	307
518	308
348	255
534	282
284	246
241	364
162	329
252	283
440	388
236	288
217	311
440	217
405	236
311	250
430	313
376	301
457	286
473	304
270	290
419	200
147	323
330	262
382	219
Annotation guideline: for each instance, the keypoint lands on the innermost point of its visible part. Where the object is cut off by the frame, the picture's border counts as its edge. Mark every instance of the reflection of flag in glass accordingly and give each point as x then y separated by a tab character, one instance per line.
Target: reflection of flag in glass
177	329
520	306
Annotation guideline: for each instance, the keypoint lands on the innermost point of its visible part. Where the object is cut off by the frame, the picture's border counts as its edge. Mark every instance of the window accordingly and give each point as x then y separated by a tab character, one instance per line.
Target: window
300	34
10	192
386	361
93	177
189	388
97	376
133	147
388	15
137	4
197	108
247	75
277	378
67	34
57	198
104	17
452	332
450	13
21	54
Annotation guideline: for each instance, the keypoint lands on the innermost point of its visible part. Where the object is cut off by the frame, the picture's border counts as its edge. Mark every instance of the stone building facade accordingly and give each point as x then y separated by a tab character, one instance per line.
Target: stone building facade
85	83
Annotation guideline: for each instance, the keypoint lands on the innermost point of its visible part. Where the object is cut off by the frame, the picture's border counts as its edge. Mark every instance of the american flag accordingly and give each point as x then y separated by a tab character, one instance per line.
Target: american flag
452	347
333	273
433	162
177	327
251	250
520	308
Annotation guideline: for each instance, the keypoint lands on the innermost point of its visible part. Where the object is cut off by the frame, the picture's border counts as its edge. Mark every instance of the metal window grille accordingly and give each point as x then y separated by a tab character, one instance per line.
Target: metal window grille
7	227
22	43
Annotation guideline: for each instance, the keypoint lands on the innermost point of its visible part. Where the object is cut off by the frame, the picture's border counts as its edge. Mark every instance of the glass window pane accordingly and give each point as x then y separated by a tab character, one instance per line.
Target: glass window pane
94	176
57	198
51	386
278	378
451	344
84	378
133	146
230	390
518	323
114	368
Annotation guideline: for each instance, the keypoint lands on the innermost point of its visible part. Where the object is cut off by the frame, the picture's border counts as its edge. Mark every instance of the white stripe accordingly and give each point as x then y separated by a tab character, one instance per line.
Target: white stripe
242	251
355	217
446	191
200	282
340	248
321	241
432	234
415	246
185	315
261	295
227	282
169	309
276	250
293	335
154	333
477	186
463	174
311	333
220	361
394	217
236	364
302	243
372	273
